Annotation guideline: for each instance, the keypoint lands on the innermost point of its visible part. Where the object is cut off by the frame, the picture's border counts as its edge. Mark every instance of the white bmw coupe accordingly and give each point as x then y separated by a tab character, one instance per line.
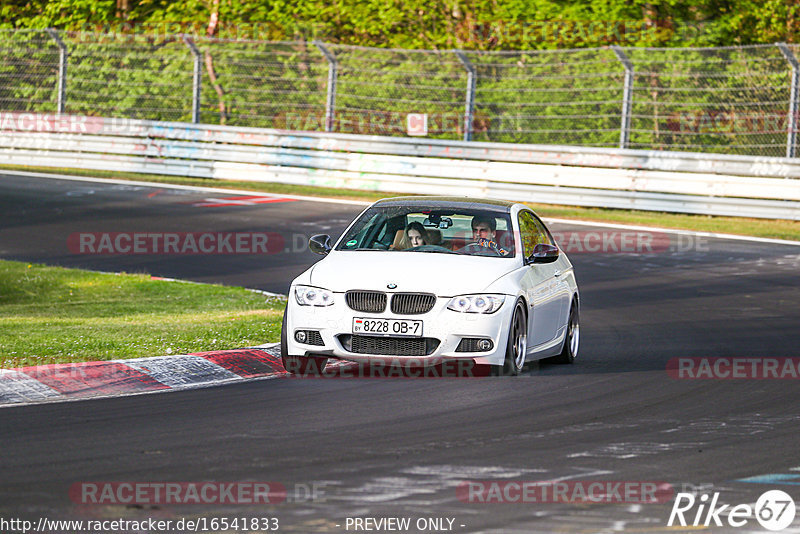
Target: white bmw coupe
423	280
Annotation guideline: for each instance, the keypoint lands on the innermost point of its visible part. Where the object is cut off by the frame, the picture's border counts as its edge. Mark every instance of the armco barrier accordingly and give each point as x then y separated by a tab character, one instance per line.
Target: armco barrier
662	181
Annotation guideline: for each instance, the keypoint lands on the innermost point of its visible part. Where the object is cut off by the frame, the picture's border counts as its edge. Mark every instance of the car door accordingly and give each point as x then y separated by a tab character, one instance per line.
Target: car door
562	274
542	284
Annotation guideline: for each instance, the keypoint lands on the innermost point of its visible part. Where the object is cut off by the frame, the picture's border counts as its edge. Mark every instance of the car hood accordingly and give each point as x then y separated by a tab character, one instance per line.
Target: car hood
444	275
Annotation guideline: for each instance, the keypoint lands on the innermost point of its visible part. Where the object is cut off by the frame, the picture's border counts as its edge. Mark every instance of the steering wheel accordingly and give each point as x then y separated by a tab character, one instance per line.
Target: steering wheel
474	248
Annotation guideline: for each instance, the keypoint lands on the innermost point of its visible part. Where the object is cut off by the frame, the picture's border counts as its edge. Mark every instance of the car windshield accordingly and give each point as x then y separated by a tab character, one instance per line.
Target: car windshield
440	230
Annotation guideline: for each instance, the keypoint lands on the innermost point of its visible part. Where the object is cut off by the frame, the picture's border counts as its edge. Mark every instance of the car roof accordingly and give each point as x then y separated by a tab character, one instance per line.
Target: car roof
448	202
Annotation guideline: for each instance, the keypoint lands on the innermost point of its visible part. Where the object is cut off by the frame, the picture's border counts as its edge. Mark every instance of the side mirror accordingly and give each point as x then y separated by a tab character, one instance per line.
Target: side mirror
320	244
543	253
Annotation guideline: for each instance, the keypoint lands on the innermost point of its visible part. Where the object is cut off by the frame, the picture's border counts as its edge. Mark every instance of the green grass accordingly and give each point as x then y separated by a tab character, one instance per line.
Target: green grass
57	315
769	228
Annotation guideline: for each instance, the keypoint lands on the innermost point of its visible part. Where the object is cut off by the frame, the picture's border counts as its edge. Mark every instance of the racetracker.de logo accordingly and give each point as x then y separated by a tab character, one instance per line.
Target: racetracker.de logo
724	368
44	122
391	368
580	491
151	493
628	242
119	243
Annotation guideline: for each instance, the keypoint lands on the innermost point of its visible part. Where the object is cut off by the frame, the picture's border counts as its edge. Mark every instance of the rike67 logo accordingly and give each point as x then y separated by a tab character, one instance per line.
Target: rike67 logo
774	510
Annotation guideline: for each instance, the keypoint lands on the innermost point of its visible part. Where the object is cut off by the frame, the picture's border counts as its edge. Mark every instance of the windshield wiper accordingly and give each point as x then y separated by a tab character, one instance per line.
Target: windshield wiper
445	251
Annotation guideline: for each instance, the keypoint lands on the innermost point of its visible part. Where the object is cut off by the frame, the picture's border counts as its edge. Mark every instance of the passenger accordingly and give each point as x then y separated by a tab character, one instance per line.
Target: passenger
484	232
416	234
434	236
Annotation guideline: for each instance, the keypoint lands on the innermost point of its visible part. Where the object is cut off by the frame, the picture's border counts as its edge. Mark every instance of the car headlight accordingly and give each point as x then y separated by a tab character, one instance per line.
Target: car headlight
476	303
312	296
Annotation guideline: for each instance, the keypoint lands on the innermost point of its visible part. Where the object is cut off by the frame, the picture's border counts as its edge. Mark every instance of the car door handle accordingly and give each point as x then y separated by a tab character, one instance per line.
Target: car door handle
557	274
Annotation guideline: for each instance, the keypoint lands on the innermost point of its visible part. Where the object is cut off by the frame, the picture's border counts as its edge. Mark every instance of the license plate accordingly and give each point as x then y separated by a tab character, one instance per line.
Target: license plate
387	327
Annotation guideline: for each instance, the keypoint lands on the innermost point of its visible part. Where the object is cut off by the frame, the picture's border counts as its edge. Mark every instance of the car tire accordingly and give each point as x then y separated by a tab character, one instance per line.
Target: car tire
572	337
299	365
517	343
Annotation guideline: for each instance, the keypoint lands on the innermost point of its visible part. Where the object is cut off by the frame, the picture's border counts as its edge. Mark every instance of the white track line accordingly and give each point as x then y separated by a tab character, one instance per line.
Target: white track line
675	231
159	185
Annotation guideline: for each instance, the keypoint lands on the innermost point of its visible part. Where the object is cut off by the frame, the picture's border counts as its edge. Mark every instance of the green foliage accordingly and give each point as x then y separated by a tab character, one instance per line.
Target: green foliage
469	24
28	70
529	88
265	84
132	77
551	97
720	100
56	315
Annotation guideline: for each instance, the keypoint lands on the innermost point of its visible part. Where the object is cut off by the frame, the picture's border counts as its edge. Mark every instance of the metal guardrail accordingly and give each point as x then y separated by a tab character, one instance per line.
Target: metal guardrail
648	180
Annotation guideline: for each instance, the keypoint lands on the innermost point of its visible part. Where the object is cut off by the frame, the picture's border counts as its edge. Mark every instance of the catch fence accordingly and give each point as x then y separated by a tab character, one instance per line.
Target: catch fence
728	100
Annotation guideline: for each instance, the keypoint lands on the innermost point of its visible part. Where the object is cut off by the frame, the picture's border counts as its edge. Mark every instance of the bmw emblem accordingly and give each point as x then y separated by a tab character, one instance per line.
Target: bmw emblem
391	286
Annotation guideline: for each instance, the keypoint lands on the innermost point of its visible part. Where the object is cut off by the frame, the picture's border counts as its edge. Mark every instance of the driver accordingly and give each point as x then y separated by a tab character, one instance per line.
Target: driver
484	231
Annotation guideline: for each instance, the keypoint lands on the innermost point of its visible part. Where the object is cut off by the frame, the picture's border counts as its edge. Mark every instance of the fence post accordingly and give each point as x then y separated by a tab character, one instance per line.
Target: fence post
791	136
197	74
62	69
330	102
627	96
469	106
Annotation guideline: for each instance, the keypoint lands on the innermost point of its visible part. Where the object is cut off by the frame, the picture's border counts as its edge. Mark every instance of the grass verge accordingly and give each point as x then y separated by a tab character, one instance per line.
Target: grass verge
768	228
57	315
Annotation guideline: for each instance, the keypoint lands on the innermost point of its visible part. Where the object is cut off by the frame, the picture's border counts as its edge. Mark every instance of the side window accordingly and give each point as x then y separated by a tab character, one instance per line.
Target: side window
380	237
532	232
365	232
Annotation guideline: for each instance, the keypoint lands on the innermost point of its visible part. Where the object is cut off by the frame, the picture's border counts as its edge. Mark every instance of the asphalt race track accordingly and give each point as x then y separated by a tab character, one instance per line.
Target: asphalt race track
37	217
388	447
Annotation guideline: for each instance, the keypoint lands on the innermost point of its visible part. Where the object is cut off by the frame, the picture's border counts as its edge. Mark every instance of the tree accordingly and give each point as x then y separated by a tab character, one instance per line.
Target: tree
211	31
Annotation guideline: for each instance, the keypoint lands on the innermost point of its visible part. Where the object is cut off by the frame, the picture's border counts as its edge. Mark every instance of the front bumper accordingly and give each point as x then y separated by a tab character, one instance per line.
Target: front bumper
442	328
